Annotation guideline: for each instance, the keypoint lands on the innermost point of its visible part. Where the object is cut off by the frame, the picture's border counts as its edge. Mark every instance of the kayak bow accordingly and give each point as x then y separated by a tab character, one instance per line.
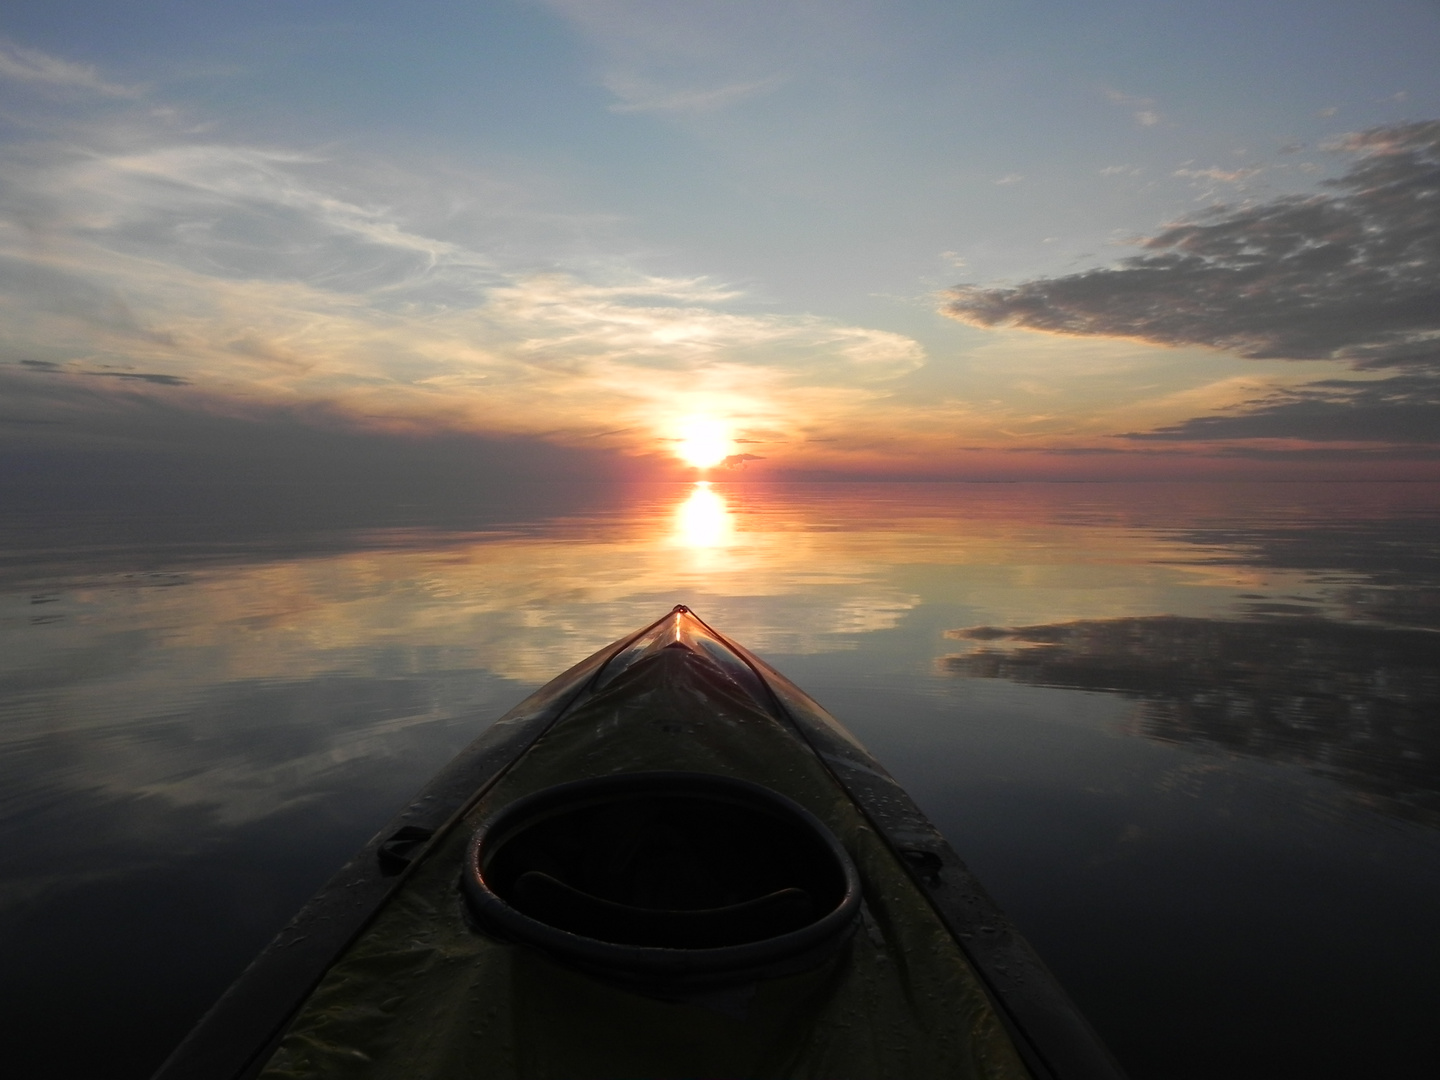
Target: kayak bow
667	862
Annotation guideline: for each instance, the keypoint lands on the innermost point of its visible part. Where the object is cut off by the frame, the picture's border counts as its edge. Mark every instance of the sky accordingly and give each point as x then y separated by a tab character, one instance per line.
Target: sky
965	240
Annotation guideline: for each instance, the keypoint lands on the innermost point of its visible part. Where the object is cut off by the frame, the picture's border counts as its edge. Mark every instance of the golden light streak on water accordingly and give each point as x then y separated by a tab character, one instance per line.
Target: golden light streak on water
704	520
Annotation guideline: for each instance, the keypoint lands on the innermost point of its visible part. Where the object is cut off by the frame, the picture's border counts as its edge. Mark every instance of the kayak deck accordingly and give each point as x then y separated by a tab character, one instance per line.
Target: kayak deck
933	983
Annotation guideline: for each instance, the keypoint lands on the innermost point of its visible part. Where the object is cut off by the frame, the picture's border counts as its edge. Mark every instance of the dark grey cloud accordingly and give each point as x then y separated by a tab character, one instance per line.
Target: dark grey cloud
143	376
50	367
100	463
1351	273
1400	409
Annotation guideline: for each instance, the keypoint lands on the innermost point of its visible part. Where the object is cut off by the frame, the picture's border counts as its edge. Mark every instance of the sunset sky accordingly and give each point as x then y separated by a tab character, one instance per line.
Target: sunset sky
967	239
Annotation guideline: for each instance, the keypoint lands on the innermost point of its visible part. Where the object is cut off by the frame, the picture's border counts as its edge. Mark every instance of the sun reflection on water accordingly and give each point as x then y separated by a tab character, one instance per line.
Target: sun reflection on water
704	520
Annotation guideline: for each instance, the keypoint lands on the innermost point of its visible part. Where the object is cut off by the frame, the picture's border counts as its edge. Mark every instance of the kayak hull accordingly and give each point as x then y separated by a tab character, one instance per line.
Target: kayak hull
935	974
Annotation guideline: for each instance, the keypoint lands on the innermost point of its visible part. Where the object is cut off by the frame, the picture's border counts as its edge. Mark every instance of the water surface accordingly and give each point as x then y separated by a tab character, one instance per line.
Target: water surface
1188	735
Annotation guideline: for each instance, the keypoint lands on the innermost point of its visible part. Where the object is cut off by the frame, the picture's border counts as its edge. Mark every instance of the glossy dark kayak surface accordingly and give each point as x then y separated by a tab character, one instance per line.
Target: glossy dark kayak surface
396	970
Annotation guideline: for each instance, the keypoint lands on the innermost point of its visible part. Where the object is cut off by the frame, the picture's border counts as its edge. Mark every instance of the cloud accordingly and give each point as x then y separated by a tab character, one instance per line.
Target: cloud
226	211
639	95
177	264
684	60
1399	409
1350	274
1118	97
737	461
65	431
38	69
1220	176
1143	107
141	376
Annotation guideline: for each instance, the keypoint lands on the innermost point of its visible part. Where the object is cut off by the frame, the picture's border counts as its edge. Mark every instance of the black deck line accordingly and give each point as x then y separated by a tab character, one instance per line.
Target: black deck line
1048	1029
237	1036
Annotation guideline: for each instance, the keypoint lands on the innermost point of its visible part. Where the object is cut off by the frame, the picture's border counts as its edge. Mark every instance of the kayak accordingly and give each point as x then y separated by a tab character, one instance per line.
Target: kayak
669	862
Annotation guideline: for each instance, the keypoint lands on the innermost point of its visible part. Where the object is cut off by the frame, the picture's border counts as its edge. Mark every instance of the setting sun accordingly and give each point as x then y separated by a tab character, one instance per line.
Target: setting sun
704	443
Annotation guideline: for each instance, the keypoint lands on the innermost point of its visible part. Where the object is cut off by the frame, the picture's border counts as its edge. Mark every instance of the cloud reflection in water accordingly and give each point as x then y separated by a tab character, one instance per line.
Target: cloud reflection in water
1356	703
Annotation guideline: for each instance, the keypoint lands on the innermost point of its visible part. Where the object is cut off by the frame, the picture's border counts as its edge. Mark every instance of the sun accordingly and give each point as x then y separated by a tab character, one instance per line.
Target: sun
704	442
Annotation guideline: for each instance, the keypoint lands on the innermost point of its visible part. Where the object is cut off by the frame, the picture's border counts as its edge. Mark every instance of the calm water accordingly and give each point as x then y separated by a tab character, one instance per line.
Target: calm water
1187	735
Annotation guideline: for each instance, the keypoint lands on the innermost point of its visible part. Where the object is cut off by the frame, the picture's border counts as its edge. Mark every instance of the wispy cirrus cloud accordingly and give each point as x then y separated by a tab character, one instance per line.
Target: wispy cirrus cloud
688	60
1142	108
183	265
1217	174
640	95
43	71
